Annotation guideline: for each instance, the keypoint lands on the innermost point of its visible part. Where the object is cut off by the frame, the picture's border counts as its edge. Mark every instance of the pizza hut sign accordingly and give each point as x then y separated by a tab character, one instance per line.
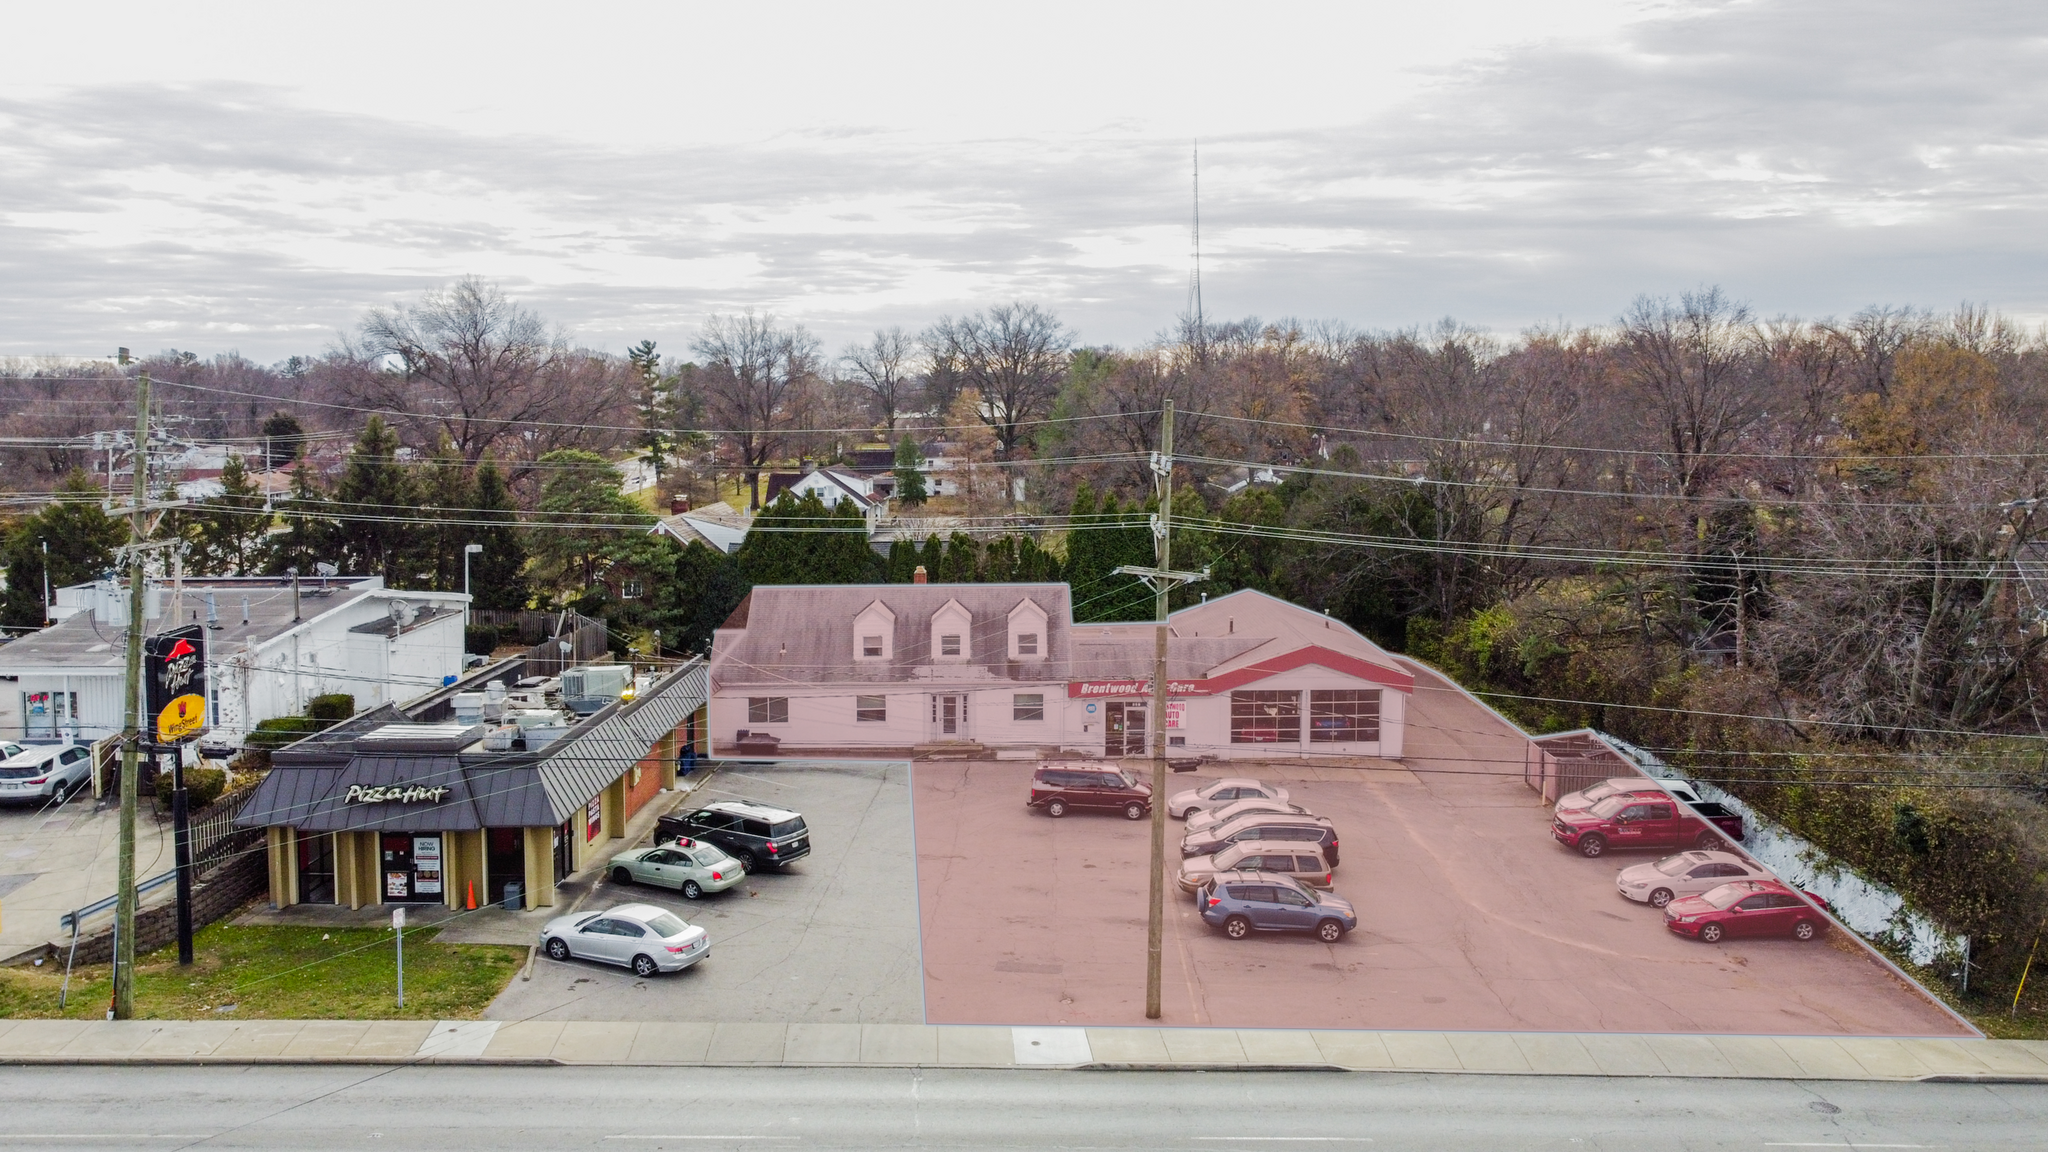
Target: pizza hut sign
393	794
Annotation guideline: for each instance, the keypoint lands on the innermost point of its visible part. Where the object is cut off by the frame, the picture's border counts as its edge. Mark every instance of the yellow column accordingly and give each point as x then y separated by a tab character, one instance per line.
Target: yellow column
346	875
540	868
614	822
669	750
278	848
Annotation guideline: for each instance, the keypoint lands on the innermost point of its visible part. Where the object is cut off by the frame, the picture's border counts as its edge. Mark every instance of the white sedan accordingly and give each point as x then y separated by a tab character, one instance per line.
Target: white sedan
1686	874
1218	793
640	936
1210	817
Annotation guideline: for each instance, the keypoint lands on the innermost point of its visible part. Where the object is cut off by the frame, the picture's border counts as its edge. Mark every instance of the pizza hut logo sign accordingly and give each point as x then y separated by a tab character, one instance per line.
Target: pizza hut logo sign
175	679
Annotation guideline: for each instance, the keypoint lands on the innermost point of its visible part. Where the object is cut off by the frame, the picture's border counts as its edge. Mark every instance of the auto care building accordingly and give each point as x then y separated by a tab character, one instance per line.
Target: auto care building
885	668
426	805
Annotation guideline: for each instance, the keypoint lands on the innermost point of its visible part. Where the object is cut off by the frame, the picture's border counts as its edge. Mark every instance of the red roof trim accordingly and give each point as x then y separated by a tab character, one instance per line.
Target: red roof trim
1299	658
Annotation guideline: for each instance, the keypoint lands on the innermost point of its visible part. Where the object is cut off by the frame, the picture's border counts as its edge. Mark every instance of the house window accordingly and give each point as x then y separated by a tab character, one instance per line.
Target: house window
871	647
767	709
1027	643
1027	706
871	709
949	644
1265	717
1343	715
629	590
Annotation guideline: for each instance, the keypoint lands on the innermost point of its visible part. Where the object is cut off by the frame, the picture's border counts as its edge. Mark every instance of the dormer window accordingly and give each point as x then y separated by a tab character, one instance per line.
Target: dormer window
952	624
874	633
1027	643
949	644
1027	631
871	647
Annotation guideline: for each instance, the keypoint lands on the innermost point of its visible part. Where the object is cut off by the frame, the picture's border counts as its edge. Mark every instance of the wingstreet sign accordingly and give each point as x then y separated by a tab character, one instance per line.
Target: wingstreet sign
174	673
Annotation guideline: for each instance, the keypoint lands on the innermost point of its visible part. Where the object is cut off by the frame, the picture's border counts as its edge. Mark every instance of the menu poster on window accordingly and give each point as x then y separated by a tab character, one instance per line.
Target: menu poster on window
593	817
395	885
426	864
1176	711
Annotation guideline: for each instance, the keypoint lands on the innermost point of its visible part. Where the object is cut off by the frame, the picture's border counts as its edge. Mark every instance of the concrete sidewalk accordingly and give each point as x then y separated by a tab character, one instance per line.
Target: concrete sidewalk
921	1045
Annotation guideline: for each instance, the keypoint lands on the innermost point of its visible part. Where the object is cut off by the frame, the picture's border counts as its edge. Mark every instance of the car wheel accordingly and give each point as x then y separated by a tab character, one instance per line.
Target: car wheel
1707	841
1710	933
691	891
1803	930
1592	846
1187	815
644	965
1330	931
746	860
621	876
1237	927
1134	811
558	948
1056	808
1660	897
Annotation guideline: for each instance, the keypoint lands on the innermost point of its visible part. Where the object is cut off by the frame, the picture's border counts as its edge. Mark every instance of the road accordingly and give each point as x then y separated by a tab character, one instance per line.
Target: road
507	1108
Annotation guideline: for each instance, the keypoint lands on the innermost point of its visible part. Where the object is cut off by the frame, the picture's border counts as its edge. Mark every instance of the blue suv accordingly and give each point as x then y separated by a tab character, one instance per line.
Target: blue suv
1243	902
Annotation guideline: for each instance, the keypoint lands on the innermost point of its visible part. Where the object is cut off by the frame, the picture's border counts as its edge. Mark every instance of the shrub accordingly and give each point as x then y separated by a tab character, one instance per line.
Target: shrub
480	639
203	786
281	731
332	708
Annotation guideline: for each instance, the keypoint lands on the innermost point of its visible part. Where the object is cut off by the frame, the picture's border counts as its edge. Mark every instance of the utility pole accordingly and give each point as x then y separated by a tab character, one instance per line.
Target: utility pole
138	532
1163	580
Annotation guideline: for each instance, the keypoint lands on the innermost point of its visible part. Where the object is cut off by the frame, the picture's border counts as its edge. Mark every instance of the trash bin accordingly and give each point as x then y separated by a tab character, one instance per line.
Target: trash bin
515	896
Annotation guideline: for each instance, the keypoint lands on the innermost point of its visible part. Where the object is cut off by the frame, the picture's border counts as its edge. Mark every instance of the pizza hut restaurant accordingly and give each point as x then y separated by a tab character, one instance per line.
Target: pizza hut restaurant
420	805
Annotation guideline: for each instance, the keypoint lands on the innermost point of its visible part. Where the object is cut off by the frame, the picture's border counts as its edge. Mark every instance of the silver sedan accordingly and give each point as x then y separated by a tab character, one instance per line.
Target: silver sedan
1686	874
1220	792
639	936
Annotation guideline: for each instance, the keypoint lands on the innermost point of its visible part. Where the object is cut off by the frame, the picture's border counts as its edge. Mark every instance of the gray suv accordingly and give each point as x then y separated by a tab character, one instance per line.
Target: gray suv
47	773
1245	902
1274	827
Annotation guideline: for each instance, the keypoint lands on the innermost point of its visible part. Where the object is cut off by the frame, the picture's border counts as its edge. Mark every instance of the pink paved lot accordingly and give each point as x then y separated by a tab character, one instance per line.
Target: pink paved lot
1470	916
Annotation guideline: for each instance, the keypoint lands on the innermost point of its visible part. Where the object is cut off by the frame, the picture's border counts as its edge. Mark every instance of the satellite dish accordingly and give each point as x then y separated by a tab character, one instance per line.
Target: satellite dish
326	569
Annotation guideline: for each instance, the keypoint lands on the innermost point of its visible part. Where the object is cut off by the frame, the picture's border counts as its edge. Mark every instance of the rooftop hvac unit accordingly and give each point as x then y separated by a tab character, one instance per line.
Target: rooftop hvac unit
591	686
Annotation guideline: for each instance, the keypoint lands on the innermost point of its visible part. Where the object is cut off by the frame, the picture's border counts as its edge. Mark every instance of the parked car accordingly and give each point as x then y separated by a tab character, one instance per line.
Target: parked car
1218	793
1057	789
1209	818
1271	826
692	867
46	773
1241	903
757	835
1625	785
1747	908
1632	821
1686	874
640	936
1303	862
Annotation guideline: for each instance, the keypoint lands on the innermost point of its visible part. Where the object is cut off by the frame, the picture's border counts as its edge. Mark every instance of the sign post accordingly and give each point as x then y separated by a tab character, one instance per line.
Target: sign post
175	678
398	929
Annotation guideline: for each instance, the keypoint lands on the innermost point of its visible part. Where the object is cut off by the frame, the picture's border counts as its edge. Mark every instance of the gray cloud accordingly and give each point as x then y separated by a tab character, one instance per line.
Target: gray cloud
1812	158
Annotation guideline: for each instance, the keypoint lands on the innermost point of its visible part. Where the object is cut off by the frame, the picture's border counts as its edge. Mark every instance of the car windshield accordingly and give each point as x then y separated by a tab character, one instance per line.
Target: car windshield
667	926
1608	807
1673	865
786	828
1130	779
1599	792
1727	894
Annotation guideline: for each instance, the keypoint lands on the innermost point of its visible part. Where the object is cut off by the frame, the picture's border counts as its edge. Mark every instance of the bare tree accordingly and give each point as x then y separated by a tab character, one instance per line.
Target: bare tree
754	380
1689	365
1014	356
883	368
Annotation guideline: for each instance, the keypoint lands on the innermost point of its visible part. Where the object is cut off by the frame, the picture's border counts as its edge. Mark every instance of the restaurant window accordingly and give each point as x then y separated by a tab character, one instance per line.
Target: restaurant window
871	709
316	867
1265	717
871	647
949	644
1343	715
1027	706
767	709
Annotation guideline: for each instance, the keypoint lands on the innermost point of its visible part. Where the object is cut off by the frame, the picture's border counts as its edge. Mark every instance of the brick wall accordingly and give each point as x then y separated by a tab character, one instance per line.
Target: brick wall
233	885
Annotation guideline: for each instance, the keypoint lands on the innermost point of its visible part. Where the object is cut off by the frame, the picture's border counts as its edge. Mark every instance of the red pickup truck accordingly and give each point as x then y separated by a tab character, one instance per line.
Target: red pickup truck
1634	821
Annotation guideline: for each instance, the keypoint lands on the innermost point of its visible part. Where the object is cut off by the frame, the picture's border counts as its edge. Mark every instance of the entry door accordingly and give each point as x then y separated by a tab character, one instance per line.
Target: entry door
949	717
1123	730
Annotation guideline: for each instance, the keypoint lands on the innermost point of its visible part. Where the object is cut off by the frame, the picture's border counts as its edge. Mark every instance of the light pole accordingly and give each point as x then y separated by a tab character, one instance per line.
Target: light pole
468	550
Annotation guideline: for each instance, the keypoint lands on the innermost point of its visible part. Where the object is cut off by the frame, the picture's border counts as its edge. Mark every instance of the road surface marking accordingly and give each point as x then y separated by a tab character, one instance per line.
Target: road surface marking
1237	1139
631	1137
1856	1144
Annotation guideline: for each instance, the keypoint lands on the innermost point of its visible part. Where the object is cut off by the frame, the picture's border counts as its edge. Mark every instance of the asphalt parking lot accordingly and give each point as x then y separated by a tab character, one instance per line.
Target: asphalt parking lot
1471	917
833	939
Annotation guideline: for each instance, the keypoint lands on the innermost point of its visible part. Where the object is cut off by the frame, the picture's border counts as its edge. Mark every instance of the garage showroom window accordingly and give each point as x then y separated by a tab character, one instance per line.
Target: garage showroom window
1342	715
871	709
767	709
1265	717
1027	706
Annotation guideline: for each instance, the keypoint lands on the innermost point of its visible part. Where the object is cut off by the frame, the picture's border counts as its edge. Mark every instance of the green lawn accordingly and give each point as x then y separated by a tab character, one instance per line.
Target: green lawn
281	973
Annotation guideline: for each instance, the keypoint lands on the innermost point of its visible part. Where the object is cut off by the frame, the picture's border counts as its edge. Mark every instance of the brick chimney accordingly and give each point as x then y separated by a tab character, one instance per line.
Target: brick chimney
918	577
679	504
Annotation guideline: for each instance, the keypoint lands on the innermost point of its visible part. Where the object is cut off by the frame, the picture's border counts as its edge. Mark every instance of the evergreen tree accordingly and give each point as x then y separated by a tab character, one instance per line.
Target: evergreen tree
1099	542
284	440
910	489
226	532
932	555
708	585
310	532
999	561
1035	565
447	494
376	504
587	522
962	561
902	565
800	541
81	541
654	405
497	574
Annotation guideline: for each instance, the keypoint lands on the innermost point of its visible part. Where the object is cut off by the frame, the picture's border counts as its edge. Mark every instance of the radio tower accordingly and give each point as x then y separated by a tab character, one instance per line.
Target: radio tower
1194	307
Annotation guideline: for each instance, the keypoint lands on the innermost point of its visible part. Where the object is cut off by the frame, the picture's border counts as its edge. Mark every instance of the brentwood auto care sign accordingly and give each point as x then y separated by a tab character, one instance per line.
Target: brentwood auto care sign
1084	689
174	670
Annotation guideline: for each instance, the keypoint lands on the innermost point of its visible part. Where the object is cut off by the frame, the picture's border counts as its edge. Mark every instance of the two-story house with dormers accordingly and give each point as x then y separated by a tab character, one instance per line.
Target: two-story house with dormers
879	669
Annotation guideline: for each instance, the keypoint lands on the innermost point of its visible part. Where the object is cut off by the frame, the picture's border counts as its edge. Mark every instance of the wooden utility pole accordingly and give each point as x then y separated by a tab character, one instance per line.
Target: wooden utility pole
138	532
1163	580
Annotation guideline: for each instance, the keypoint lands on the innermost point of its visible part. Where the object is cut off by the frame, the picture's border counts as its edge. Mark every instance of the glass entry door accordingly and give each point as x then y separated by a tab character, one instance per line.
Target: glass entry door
1123	729
412	868
949	717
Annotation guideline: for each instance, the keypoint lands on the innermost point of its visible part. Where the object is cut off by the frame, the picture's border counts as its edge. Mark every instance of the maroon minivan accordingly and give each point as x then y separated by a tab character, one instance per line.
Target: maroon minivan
1059	788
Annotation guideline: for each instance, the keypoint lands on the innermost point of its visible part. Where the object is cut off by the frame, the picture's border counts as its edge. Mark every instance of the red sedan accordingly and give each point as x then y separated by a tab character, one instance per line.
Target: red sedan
1746	908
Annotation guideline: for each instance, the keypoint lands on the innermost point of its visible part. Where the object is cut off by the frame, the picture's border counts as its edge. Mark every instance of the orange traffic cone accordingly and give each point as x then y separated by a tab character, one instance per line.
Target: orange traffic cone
472	895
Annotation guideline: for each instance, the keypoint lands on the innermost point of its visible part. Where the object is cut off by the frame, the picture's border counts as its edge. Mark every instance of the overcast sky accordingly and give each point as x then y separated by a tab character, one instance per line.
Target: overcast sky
253	177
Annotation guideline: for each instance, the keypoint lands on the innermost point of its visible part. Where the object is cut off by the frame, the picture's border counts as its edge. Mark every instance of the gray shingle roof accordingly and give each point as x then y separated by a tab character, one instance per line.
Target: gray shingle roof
803	634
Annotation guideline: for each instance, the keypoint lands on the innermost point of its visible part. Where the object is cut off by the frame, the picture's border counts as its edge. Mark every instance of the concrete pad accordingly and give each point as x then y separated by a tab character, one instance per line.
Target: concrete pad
1488	1052
1822	1058
111	1039
4	1026
449	1038
1756	1056
749	1043
2005	1057
1279	1046
822	1044
529	1040
1622	1055
1053	1046
325	1039
1421	1051
255	1040
1126	1046
1556	1055
1946	1057
1202	1045
592	1042
1364	1050
967	1045
186	1038
1690	1056
899	1044
1885	1059
672	1043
